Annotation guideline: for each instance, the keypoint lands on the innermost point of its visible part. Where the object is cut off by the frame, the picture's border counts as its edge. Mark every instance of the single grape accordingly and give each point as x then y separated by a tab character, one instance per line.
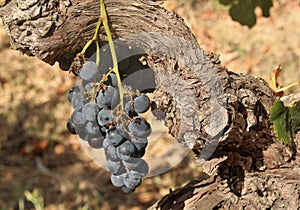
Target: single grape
141	103
75	89
71	126
90	111
78	101
117	180
132	179
132	163
92	129
96	142
108	98
106	143
82	133
111	153
88	86
113	167
139	127
142	168
139	143
104	117
89	71
129	109
126	150
78	119
114	137
112	80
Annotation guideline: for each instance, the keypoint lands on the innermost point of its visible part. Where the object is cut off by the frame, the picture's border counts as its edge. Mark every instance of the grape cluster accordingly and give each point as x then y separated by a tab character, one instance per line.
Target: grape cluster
105	120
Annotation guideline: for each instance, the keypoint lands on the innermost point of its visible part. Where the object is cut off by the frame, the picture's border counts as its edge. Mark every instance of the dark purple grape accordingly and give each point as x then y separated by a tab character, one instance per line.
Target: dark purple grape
71	126
89	71
112	80
89	86
126	150
96	142
114	137
142	168
140	144
115	167
111	153
108	98
141	103
104	117
129	109
139	127
92	129
106	143
78	101
132	163
78	119
90	111
75	89
132	179
117	180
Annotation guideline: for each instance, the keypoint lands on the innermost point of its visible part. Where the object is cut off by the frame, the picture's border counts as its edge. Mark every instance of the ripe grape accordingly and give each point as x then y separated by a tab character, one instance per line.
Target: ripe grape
92	129
78	101
126	150
89	71
111	153
141	103
71	126
108	98
132	163
104	117
117	180
114	137
78	119
75	89
132	179
90	111
112	80
129	109
96	142
139	127
142	168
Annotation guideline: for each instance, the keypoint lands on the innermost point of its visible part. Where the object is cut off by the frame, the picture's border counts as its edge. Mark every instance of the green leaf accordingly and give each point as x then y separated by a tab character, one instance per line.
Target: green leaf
286	120
243	12
265	6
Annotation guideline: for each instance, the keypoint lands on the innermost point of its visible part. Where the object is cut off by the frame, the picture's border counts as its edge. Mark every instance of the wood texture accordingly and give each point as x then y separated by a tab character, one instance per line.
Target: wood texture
221	115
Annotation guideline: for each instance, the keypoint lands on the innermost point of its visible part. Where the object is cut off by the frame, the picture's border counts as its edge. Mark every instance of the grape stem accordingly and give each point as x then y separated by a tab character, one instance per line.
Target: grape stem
94	39
104	20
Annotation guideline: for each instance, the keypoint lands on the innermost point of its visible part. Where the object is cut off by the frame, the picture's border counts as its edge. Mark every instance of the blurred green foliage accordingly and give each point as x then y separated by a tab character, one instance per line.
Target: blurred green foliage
243	11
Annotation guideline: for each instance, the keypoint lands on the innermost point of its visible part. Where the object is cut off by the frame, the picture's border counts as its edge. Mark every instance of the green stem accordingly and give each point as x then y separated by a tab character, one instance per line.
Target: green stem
95	37
103	18
97	54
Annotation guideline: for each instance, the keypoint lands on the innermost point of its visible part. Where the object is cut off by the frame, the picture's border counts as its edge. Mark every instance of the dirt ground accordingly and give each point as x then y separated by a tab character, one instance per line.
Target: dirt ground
38	156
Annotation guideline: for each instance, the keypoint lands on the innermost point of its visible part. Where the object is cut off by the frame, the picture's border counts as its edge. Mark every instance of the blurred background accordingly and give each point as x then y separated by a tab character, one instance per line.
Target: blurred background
41	164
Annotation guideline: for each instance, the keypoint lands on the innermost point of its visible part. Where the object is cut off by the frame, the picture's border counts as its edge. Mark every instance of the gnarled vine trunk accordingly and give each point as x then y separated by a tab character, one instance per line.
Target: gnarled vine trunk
221	115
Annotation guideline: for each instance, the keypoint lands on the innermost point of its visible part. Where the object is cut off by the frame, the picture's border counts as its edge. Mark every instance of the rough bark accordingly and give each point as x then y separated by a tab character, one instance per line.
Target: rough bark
221	115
